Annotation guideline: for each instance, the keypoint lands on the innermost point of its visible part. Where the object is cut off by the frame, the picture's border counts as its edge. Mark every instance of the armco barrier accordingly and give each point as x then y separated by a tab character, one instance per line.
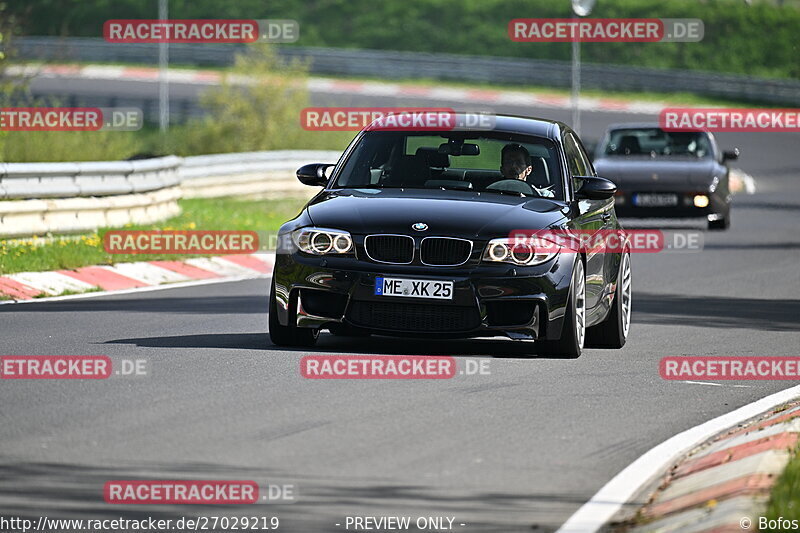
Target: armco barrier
102	178
387	64
249	173
43	198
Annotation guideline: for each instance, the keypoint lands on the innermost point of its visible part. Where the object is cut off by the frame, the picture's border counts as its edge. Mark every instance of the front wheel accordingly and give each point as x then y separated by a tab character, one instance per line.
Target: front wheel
570	345
613	331
289	335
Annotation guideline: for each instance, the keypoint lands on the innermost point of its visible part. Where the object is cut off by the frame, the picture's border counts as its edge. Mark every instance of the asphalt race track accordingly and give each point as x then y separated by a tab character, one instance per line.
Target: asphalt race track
522	447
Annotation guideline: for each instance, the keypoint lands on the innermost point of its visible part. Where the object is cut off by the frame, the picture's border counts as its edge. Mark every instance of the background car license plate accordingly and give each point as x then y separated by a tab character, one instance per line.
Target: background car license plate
414	288
655	200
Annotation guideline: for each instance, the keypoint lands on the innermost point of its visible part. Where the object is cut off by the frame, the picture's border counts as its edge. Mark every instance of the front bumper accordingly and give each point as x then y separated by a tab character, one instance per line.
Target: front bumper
494	299
717	206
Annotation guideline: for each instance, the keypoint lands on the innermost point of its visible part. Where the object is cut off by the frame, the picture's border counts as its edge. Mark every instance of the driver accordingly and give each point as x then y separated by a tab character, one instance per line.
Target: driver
515	164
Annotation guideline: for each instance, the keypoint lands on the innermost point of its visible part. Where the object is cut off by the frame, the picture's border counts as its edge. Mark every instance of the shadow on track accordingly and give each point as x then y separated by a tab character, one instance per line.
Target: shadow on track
716	312
72	490
144	303
487	347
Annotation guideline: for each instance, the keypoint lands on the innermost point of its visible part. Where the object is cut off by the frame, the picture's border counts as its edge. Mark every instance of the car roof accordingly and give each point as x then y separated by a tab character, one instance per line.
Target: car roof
625	125
529	126
644	125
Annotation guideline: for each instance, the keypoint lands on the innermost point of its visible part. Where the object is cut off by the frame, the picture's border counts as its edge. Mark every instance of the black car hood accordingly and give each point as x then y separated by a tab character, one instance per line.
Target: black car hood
456	213
657	173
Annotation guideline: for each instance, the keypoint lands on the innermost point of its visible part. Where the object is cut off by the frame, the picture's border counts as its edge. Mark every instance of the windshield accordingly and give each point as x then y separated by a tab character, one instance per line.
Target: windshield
490	161
657	142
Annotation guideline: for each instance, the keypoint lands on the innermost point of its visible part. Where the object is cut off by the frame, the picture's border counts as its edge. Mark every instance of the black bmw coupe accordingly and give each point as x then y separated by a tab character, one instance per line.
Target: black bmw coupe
411	235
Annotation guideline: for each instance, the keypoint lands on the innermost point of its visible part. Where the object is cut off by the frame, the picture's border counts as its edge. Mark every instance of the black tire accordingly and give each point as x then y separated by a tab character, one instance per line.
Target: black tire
721	224
289	335
570	345
613	331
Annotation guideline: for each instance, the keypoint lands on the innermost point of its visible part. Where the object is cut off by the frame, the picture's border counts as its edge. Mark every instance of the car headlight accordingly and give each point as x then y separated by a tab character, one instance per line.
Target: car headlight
523	252
323	241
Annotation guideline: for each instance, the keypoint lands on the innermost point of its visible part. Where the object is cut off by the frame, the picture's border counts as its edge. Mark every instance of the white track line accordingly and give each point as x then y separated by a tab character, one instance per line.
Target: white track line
595	513
703	383
137	290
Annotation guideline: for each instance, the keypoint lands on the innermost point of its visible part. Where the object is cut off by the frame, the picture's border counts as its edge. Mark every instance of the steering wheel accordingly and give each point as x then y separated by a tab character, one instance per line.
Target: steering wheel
517	186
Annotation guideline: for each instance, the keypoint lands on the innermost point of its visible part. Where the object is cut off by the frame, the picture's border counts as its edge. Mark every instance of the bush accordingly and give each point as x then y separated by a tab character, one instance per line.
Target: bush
257	107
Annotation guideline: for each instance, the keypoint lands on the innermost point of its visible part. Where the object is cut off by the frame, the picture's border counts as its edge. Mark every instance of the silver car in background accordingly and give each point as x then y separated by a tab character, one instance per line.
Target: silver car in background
667	174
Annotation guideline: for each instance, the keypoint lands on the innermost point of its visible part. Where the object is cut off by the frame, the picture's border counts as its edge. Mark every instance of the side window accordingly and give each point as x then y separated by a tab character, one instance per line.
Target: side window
587	161
577	165
577	161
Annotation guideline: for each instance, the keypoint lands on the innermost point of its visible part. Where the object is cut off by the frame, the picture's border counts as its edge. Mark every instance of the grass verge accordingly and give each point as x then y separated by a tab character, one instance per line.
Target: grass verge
39	254
784	502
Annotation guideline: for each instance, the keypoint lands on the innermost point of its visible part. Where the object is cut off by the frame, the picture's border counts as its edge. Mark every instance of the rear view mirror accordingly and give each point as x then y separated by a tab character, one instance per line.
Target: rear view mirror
470	149
457	148
595	188
314	174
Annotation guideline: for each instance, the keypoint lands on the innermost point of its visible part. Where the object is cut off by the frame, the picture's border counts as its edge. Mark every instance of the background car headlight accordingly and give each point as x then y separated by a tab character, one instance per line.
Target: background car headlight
700	200
520	251
323	241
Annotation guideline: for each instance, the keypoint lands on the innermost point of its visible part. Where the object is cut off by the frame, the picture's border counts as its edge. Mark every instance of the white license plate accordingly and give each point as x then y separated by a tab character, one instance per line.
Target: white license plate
414	288
655	200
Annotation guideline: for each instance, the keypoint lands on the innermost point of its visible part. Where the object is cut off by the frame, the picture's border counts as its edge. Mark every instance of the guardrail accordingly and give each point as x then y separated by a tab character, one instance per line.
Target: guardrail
95	178
266	174
201	166
41	198
395	65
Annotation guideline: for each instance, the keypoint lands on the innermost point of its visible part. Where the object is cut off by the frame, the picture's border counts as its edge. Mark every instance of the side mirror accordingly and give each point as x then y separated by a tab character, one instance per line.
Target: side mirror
595	188
313	174
730	155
